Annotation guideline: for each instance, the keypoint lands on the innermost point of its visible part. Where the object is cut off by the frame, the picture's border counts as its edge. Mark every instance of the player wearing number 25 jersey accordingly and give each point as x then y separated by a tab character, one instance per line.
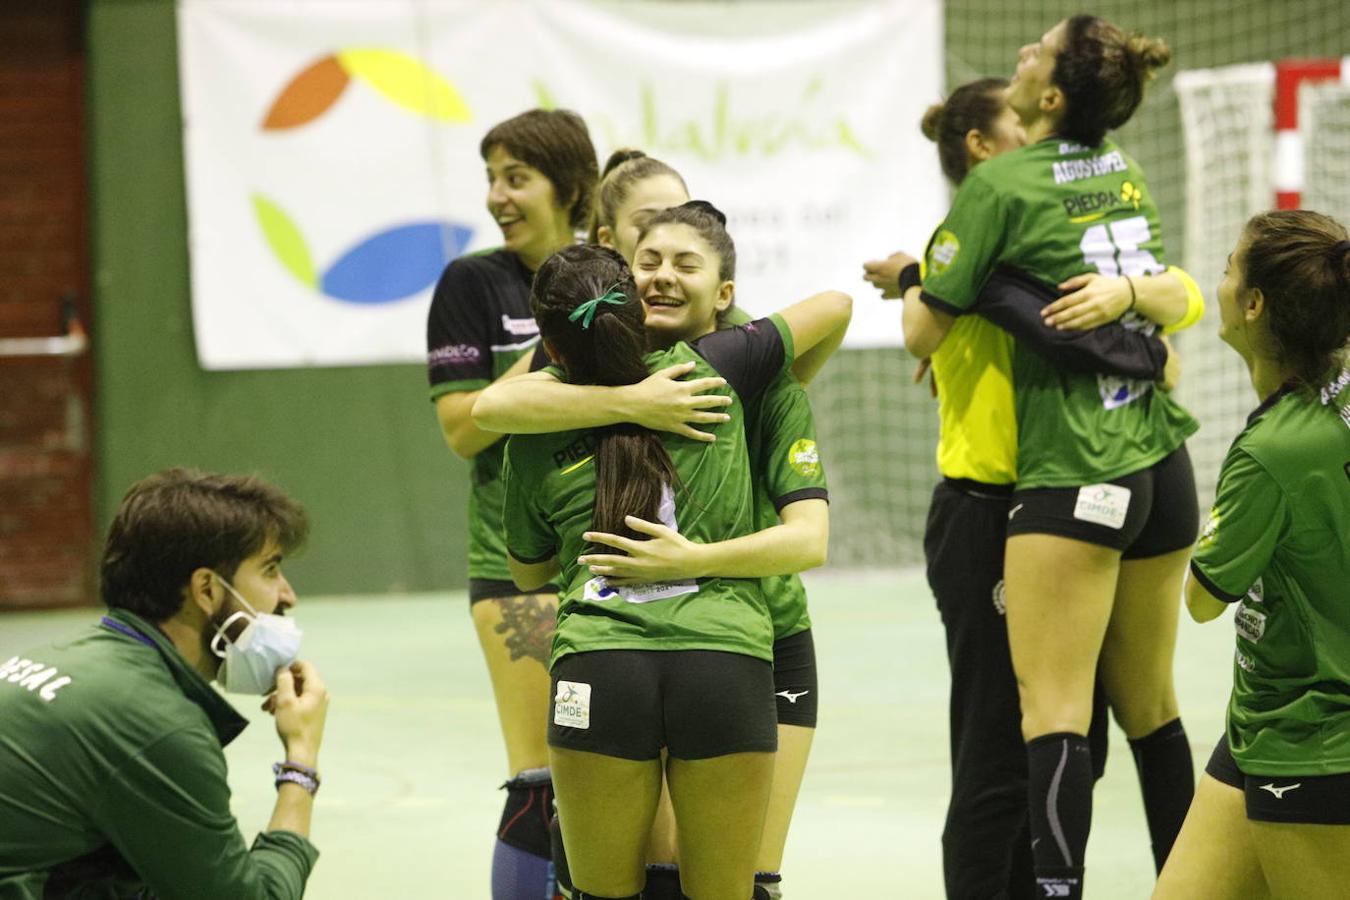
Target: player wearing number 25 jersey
1047	210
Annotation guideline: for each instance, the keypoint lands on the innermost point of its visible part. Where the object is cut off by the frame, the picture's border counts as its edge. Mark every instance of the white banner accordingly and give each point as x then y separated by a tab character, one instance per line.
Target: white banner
333	168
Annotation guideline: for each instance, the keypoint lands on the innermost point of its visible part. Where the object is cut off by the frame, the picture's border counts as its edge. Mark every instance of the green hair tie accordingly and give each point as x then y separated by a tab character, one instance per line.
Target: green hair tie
586	311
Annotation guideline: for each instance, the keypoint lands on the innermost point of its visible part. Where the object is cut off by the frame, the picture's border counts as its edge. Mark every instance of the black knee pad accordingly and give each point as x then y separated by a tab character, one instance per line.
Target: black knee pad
582	895
529	807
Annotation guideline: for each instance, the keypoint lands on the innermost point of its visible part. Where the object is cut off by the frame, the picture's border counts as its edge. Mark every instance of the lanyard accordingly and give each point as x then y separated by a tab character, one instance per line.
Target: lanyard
128	631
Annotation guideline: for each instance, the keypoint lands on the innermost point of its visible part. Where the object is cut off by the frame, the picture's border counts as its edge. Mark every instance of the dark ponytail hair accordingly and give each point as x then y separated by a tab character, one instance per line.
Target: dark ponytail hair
1301	262
624	168
631	465
1102	72
973	106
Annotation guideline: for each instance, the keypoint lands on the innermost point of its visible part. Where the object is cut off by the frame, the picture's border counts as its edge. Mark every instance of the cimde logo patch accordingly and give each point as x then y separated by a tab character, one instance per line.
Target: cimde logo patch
572	705
1103	504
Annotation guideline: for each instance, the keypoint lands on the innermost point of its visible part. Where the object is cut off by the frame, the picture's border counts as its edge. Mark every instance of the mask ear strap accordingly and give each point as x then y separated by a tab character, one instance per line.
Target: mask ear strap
229	587
220	640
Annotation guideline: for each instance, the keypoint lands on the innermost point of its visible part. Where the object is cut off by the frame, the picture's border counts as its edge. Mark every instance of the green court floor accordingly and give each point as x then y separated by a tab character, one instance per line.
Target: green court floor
412	755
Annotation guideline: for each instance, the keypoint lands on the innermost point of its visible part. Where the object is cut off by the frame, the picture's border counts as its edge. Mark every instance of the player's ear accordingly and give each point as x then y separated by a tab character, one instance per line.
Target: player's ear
977	147
1253	305
726	292
1053	102
604	237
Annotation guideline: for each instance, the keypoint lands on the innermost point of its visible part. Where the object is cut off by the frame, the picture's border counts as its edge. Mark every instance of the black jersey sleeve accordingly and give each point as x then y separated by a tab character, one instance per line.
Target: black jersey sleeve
747	356
1013	301
459	330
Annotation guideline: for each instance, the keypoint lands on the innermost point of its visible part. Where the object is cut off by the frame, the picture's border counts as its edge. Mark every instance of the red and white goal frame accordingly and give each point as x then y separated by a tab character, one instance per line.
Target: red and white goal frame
1290	74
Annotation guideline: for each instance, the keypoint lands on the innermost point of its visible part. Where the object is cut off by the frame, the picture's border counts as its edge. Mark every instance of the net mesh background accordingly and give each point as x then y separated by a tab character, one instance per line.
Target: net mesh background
878	431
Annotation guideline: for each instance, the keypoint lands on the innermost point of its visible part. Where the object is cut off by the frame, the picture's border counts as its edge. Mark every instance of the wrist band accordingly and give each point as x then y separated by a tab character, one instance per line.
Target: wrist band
1133	298
909	277
295	773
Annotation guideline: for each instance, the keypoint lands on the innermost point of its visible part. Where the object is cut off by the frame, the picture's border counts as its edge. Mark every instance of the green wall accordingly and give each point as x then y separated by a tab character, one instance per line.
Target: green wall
359	446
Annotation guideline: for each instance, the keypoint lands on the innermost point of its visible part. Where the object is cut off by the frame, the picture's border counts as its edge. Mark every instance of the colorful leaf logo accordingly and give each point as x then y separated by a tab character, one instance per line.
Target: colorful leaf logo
399	78
391	265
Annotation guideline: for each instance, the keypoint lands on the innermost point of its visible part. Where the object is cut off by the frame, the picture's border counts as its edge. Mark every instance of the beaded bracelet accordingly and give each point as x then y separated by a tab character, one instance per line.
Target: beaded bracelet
295	773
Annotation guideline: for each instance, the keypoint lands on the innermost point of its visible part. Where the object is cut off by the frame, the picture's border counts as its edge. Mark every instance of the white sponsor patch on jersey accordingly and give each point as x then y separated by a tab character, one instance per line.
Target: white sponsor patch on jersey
1250	623
1102	504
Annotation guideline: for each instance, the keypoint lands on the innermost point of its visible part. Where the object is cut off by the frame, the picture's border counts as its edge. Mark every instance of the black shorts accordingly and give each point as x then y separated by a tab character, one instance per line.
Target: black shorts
1294	799
630	703
481	589
1146	513
794	679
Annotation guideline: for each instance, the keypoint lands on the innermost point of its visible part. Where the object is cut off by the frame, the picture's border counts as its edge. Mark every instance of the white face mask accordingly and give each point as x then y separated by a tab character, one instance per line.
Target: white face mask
268	643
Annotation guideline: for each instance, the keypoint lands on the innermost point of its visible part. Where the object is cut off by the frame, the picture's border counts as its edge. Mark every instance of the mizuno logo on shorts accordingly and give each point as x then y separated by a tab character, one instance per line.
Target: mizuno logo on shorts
1279	792
790	697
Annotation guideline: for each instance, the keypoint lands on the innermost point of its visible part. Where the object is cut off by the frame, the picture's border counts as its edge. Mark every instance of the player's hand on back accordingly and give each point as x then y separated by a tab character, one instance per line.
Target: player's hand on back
665	556
1093	300
664	401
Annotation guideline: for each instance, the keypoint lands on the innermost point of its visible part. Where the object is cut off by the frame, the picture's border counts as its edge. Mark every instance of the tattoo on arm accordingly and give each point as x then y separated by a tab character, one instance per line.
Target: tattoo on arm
527	625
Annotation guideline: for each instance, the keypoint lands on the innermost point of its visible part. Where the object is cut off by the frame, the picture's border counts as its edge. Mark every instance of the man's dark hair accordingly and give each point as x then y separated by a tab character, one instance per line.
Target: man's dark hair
180	520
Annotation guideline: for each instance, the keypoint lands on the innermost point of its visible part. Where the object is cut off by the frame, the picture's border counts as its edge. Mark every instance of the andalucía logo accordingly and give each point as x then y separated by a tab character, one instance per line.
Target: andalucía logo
400	260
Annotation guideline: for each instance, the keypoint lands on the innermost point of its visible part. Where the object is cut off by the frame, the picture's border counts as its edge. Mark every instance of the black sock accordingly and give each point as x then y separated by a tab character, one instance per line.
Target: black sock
1060	799
663	882
1167	779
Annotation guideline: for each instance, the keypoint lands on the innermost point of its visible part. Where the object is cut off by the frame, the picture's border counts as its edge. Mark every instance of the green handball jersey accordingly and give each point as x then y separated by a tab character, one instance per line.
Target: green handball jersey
1277	545
1052	210
785	462
550	497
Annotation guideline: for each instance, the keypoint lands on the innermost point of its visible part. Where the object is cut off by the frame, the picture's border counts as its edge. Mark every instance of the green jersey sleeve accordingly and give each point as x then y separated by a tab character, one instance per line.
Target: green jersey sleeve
528	536
790	463
966	247
1247	522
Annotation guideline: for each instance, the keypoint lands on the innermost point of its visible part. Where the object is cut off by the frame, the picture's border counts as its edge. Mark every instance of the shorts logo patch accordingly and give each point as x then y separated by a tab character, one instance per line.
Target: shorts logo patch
1245	662
1249	623
943	252
1257	592
1001	597
803	457
1279	792
1102	504
572	705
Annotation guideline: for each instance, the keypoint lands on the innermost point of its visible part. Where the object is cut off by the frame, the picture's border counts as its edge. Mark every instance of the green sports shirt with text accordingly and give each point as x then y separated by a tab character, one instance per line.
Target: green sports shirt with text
1052	210
1277	545
550	497
786	465
113	781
